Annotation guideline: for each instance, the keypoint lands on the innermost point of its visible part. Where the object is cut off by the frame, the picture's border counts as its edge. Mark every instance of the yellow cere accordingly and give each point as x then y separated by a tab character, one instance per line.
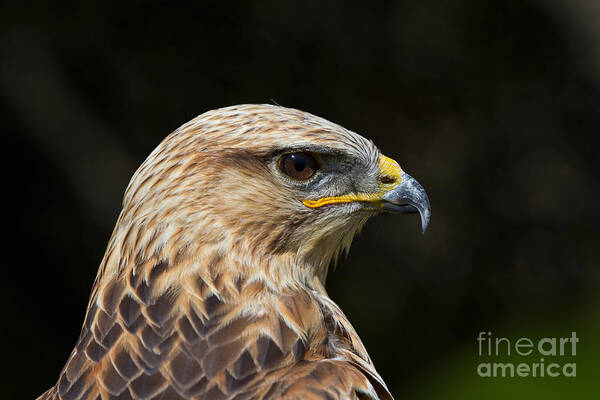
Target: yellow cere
389	170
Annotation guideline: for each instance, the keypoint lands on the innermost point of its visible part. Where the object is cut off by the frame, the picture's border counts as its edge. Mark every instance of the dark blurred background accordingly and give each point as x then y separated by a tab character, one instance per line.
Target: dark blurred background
493	106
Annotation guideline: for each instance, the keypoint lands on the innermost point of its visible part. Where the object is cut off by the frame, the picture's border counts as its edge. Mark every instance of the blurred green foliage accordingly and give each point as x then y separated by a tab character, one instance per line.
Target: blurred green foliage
454	375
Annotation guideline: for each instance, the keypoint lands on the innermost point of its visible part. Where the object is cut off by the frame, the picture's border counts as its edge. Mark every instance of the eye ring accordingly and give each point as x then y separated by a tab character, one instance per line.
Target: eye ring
300	166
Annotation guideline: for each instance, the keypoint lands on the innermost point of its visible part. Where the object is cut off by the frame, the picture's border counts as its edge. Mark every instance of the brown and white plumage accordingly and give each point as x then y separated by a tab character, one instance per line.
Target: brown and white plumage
212	285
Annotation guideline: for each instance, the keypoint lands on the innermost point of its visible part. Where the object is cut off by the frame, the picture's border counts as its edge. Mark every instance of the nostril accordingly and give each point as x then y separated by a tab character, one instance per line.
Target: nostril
386	179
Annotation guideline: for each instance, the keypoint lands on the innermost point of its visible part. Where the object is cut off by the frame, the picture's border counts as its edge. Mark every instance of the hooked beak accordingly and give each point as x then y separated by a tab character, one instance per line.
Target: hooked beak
408	197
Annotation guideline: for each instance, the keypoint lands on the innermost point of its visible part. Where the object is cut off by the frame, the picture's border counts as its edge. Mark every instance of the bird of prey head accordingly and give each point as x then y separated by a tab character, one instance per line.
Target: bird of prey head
212	285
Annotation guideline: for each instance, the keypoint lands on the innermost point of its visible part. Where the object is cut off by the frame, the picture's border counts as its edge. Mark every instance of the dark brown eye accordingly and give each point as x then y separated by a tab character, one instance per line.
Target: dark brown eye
300	166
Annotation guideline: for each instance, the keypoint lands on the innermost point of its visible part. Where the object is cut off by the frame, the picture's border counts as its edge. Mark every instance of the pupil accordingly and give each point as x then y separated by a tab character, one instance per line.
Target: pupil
299	165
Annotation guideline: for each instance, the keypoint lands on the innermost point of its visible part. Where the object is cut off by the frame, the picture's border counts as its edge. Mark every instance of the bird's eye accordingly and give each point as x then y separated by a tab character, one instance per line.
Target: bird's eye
300	166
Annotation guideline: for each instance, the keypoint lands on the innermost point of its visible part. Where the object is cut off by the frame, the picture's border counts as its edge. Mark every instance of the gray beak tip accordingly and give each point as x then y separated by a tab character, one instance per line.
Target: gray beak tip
409	197
425	221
